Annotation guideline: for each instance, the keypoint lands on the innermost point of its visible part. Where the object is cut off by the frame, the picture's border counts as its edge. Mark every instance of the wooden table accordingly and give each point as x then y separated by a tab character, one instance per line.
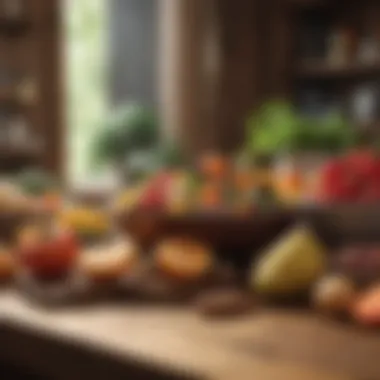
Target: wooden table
175	343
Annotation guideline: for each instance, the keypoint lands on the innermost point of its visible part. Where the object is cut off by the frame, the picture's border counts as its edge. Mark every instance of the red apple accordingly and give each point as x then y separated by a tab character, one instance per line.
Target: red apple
51	256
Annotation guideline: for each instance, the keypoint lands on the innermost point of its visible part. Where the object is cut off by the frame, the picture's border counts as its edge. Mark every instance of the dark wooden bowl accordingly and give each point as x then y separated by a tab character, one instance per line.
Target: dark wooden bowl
229	234
238	237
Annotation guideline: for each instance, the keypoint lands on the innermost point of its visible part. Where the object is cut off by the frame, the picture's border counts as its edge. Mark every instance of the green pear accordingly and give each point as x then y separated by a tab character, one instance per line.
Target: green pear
291	265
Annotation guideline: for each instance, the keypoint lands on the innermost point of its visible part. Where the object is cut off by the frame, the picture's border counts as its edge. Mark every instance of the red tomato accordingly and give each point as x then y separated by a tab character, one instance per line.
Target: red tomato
52	257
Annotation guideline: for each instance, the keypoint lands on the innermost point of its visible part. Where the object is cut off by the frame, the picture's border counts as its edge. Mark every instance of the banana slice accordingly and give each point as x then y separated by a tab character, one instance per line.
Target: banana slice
183	258
109	261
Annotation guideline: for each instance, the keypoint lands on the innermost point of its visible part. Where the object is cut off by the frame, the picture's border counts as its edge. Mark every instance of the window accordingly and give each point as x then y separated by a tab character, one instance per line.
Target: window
111	59
86	89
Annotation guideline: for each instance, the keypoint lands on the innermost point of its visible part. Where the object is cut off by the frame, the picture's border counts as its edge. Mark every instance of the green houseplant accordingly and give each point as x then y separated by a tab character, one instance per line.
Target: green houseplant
130	142
127	129
130	133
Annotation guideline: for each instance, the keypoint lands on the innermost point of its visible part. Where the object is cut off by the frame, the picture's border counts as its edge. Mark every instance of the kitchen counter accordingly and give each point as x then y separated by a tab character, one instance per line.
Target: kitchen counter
102	341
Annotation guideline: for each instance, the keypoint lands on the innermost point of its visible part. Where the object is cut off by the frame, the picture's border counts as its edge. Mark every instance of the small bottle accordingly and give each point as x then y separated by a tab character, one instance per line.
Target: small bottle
27	91
13	9
18	132
340	47
4	131
369	51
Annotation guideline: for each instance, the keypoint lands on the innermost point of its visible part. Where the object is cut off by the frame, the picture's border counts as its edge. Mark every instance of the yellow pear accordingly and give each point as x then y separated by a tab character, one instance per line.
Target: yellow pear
290	265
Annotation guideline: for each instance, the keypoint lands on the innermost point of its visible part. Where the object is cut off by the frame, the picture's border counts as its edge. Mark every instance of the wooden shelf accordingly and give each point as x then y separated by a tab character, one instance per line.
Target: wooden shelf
308	3
8	97
14	28
323	70
17	155
321	3
28	89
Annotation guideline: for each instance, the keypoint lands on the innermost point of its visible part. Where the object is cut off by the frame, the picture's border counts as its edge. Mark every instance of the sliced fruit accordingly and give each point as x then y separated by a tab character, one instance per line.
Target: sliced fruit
183	258
83	219
290	265
108	262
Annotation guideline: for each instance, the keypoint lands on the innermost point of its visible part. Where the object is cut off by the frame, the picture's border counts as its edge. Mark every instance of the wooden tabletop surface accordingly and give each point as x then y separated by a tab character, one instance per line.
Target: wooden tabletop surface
267	344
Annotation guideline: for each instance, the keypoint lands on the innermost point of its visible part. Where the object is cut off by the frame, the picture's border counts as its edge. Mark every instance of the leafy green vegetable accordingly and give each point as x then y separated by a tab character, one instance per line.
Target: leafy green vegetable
277	127
139	126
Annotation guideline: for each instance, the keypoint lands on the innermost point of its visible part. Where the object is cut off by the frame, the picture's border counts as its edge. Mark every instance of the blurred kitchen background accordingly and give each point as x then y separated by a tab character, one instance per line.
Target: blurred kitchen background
202	66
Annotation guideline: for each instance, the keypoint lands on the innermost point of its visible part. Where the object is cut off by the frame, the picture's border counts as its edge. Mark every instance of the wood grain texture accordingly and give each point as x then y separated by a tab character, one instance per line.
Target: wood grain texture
279	30
50	68
33	53
181	71
179	342
239	69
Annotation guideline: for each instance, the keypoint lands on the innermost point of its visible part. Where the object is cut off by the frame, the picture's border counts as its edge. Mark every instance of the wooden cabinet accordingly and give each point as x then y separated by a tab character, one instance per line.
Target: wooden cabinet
256	41
270	50
30	85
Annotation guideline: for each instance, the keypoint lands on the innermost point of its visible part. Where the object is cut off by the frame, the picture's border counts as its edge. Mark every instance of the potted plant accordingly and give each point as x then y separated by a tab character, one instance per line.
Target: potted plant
129	136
